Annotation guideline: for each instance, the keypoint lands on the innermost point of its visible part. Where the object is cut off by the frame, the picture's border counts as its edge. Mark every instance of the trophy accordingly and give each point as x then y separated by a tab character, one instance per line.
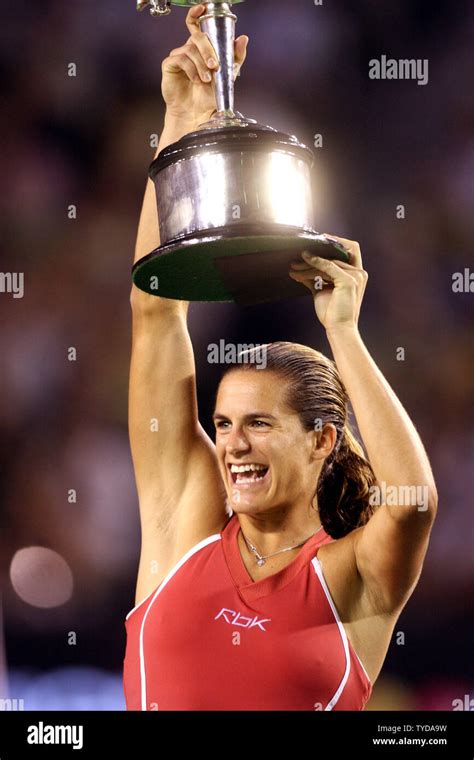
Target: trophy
234	197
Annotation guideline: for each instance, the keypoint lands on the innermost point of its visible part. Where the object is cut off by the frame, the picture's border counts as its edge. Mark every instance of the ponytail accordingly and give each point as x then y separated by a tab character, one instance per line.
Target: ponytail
343	488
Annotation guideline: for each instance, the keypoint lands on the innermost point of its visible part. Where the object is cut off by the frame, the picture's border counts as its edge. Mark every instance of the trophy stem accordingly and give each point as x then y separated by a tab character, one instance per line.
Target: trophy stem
218	22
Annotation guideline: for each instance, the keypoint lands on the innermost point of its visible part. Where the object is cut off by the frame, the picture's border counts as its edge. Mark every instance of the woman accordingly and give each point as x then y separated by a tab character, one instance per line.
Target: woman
291	603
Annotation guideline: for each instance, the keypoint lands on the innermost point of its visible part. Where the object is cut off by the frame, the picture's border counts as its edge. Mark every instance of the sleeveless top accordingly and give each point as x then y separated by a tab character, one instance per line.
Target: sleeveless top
211	638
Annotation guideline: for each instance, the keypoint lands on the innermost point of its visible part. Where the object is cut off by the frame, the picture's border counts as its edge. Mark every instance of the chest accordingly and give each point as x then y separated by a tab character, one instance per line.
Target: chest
289	637
208	642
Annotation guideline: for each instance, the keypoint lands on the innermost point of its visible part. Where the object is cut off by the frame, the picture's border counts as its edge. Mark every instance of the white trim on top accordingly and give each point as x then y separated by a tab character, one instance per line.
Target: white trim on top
182	561
319	572
333	606
140	603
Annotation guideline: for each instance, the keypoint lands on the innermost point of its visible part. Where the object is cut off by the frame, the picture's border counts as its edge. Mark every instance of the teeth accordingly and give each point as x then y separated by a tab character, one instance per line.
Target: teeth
240	471
247	467
239	479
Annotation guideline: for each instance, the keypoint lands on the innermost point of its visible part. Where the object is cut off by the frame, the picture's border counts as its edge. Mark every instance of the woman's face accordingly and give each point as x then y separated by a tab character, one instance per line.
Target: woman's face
257	431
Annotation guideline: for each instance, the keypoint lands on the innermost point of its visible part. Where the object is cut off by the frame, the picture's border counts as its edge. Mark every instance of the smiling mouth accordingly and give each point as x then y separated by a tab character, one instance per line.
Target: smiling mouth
247	473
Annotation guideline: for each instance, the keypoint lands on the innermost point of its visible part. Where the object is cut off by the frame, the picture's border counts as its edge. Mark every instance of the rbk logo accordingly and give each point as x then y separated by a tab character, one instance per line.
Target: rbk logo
235	618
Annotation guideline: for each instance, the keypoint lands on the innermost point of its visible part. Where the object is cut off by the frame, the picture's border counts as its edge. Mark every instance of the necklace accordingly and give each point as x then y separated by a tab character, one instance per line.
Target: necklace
261	559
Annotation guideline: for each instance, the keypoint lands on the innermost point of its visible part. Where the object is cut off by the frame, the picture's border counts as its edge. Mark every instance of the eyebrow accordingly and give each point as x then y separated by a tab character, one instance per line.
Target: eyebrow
217	416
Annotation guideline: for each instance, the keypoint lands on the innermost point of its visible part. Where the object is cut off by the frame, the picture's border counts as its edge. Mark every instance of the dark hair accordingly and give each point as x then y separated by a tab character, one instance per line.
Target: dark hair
317	394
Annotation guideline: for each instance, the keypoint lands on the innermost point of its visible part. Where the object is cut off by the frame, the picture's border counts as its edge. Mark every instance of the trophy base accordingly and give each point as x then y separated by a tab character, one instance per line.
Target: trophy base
226	266
230	267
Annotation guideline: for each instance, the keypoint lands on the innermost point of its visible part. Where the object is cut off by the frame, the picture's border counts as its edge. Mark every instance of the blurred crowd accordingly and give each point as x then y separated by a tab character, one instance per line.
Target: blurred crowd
75	155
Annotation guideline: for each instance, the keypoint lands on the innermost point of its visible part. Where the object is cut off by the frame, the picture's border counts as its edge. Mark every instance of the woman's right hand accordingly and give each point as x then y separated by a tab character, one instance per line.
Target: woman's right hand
187	85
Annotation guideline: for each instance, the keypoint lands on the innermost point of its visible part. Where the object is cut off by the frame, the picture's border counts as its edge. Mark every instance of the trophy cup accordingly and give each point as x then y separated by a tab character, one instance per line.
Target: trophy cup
234	197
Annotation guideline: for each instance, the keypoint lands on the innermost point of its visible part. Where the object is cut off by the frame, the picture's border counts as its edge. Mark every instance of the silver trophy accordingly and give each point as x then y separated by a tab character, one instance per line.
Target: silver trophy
234	197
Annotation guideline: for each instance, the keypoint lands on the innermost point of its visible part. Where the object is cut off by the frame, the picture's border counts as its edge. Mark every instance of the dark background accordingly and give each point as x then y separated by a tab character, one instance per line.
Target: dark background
85	140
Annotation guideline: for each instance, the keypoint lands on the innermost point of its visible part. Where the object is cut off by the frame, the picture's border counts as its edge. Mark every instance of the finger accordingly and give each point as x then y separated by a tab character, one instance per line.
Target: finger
192	19
310	284
330	269
240	49
350	267
310	275
299	264
201	39
195	55
181	62
352	246
343	264
240	54
206	49
314	283
360	275
302	266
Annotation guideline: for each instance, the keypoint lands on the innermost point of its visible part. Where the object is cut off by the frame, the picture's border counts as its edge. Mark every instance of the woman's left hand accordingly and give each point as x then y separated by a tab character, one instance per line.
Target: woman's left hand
337	288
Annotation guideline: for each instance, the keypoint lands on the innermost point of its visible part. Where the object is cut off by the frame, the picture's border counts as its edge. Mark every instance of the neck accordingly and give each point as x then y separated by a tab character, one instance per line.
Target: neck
276	530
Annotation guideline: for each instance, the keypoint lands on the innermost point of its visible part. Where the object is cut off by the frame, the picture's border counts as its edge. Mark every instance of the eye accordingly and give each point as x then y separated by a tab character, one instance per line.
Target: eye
221	424
260	423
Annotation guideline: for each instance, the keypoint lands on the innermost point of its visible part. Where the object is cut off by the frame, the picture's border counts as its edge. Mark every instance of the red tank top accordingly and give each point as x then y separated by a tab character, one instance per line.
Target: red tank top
210	638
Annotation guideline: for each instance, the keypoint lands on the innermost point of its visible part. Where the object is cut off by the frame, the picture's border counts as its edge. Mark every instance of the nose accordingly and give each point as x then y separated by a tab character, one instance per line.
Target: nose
237	442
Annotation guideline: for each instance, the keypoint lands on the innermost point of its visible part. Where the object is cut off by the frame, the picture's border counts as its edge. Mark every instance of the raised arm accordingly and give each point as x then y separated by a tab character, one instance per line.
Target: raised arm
389	550
180	492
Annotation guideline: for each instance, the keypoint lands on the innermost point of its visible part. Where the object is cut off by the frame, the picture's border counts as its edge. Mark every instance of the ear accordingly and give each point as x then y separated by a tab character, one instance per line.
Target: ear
324	441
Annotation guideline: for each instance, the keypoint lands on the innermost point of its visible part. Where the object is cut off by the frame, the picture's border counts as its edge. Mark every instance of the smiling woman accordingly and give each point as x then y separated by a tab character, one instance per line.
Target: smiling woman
303	382
277	605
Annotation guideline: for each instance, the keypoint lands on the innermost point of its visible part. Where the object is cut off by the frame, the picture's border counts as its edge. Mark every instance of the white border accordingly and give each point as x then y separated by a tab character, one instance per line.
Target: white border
140	603
319	572
194	550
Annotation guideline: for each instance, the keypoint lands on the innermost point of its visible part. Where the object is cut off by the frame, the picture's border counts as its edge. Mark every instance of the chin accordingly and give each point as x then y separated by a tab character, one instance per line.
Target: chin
244	508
